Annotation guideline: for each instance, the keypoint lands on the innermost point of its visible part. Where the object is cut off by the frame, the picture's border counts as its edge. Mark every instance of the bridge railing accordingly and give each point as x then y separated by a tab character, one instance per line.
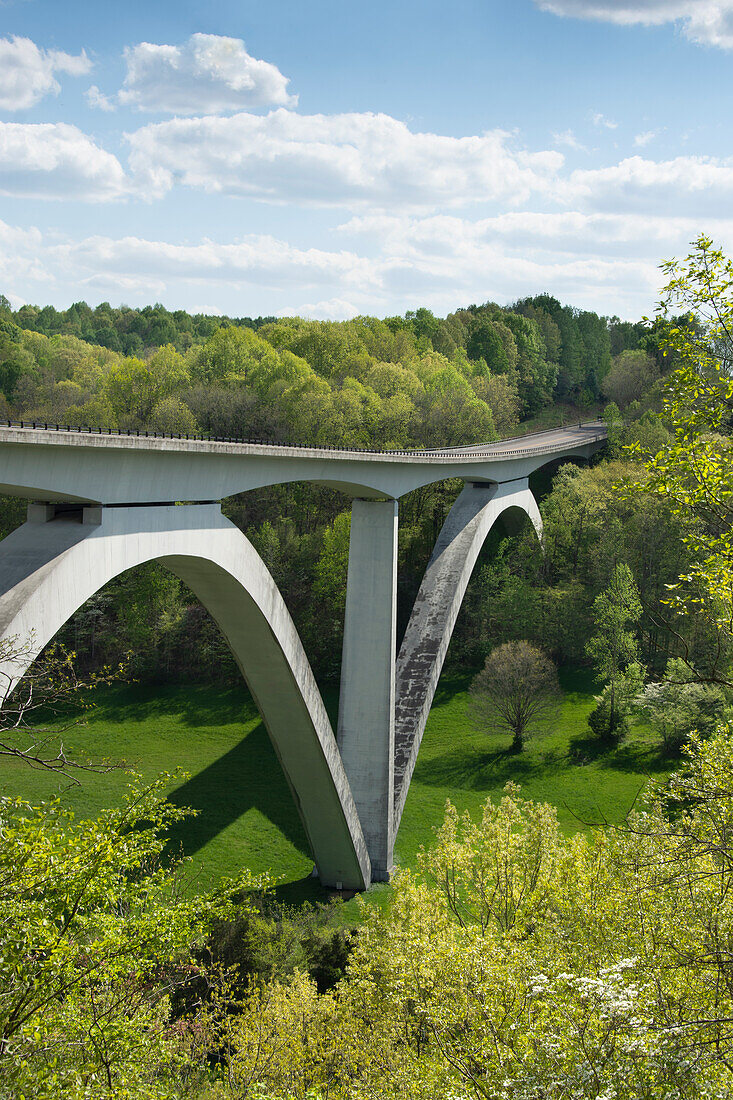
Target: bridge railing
141	433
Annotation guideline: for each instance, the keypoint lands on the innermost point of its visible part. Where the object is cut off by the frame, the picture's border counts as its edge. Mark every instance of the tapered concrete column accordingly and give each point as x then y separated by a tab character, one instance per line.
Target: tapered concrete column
366	704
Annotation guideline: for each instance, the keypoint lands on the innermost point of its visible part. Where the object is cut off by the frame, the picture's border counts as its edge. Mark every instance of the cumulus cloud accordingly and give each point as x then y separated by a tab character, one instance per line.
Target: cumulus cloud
674	187
598	261
328	160
370	162
20	258
27	72
210	74
602	262
335	309
643	139
97	99
709	22
570	233
57	161
258	260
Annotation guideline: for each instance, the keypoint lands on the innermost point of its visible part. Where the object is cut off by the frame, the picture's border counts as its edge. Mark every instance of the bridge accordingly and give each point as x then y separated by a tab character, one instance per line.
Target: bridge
104	502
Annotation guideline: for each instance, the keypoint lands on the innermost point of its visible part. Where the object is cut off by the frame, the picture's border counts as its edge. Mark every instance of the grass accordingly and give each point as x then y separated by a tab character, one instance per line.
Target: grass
246	812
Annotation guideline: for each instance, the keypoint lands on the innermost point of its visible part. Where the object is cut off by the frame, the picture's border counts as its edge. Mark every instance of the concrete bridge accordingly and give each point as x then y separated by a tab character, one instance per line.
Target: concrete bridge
103	503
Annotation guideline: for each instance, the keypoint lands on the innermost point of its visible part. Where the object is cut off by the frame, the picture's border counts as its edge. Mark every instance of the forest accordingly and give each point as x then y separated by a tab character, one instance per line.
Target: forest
480	374
514	957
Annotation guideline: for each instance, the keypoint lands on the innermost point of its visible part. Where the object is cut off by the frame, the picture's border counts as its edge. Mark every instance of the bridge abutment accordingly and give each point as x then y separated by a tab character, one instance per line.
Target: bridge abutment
367	700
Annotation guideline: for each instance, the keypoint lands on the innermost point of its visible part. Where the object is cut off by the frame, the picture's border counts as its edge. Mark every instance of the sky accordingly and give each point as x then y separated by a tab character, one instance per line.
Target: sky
334	159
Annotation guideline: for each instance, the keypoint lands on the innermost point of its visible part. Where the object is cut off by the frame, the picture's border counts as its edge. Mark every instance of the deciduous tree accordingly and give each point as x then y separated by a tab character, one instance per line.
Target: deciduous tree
516	689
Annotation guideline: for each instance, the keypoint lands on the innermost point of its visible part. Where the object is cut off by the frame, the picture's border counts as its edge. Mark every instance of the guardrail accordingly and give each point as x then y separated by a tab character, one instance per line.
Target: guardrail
455	452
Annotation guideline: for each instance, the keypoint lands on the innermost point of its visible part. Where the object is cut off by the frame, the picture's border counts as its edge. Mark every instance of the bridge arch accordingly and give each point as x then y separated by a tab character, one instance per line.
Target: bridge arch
429	630
49	569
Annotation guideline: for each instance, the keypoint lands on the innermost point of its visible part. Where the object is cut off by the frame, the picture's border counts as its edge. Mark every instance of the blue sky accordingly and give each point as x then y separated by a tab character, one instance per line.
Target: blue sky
331	159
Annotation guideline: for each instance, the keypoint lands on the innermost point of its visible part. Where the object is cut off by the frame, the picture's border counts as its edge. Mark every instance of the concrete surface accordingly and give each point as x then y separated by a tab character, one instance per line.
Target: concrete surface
436	608
366	702
110	469
119	495
49	568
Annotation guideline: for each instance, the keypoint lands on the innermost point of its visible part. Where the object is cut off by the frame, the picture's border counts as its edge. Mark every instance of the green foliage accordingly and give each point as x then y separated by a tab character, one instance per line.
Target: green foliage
613	647
677	705
94	937
135	387
631	376
693	470
614	425
522	963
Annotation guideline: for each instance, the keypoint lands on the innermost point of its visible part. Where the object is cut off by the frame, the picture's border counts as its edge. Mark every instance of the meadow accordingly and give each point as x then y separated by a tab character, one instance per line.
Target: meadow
245	813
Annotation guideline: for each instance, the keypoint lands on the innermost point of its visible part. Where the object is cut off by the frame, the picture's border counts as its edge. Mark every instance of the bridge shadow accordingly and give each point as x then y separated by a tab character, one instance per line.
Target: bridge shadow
196	706
246	777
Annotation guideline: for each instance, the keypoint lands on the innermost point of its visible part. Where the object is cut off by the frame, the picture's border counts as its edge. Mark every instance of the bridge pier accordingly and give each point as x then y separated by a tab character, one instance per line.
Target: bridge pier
367	699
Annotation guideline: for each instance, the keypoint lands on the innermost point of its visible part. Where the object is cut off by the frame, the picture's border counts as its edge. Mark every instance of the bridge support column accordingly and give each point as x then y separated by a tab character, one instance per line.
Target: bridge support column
366	703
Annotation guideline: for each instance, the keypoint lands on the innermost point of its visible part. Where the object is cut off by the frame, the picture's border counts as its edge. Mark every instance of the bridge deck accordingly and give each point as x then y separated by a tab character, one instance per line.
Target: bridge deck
43	463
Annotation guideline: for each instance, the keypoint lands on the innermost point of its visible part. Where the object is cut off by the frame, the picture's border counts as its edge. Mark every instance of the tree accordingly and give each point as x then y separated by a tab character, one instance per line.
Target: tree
613	647
487	340
632	374
95	937
50	685
136	386
693	471
516	690
677	705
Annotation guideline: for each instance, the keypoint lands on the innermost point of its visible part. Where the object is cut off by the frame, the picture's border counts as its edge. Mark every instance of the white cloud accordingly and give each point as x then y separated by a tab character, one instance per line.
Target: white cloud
335	309
709	22
210	74
97	99
567	137
684	185
601	120
596	261
570	233
372	163
641	140
602	262
327	160
27	72
257	260
57	161
20	259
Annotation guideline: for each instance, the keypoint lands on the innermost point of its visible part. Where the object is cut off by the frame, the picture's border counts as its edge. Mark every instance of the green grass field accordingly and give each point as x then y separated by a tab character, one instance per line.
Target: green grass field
246	814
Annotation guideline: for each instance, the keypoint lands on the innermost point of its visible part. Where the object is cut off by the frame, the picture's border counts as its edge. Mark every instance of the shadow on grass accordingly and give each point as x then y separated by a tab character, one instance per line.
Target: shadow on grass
472	769
452	684
196	706
247	777
302	890
632	756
